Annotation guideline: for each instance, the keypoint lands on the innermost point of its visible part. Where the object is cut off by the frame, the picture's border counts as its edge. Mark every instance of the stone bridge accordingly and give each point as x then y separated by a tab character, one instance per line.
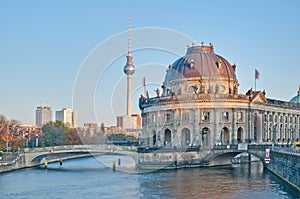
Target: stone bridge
223	155
168	158
35	156
144	157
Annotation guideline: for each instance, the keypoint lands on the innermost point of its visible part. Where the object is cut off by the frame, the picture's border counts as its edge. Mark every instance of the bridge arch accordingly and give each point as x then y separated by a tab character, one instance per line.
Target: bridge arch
225	158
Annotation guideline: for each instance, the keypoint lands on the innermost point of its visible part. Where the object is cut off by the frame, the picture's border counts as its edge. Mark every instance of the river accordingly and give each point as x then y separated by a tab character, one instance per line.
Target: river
91	178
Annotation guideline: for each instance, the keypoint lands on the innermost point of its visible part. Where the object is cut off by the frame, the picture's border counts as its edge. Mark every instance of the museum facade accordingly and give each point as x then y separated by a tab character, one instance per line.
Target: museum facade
200	105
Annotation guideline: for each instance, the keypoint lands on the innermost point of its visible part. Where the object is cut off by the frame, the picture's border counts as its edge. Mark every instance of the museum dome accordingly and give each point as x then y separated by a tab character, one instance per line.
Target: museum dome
200	62
296	99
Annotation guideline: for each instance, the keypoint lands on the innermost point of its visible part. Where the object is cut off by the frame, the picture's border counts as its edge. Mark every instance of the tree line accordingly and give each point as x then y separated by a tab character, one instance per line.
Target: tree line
52	134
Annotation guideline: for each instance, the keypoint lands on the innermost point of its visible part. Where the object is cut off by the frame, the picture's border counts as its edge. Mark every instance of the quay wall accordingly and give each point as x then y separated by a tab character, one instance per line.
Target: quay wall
286	165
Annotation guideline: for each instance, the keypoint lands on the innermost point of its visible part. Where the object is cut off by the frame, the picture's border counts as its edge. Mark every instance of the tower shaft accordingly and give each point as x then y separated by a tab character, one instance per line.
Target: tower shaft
129	111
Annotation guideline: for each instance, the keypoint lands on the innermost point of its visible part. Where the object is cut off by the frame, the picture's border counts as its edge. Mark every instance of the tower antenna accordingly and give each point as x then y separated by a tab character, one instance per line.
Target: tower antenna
129	36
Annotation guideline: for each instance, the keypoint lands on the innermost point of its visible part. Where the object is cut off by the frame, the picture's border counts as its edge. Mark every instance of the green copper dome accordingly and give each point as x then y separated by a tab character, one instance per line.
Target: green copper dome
296	99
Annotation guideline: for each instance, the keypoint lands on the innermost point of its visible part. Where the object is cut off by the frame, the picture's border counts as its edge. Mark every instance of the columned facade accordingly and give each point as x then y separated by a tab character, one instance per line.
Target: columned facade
200	105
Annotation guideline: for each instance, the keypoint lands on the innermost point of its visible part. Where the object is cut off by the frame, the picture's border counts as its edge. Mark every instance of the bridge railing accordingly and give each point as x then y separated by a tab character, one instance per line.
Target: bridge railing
258	147
144	149
81	147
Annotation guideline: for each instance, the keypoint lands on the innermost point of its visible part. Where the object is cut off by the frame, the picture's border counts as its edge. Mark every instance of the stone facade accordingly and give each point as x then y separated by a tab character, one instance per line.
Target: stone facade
200	105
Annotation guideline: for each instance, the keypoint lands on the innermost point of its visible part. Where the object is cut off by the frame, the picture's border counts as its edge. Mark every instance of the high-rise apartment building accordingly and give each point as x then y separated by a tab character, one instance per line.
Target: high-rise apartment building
43	115
67	116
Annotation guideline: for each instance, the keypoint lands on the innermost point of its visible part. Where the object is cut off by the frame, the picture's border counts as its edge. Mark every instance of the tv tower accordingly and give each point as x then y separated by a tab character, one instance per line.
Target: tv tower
129	70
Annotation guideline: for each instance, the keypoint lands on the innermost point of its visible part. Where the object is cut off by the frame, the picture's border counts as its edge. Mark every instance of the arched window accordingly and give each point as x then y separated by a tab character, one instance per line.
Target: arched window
240	135
153	137
205	136
224	135
185	137
168	134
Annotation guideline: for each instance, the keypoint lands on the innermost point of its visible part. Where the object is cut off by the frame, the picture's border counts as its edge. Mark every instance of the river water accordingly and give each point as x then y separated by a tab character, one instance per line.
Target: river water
91	178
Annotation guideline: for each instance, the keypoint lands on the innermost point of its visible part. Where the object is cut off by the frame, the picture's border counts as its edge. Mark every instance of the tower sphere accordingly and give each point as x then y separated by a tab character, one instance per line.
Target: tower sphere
129	68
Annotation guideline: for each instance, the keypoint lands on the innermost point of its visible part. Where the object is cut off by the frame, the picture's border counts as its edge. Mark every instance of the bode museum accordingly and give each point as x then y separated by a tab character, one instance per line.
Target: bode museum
200	105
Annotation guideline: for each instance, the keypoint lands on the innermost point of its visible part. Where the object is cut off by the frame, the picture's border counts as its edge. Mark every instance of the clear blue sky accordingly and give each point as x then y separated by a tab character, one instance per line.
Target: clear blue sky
43	44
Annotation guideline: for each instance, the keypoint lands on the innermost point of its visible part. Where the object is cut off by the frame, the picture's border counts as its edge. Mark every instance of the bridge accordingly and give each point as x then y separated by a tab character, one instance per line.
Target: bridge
35	156
144	157
168	158
202	156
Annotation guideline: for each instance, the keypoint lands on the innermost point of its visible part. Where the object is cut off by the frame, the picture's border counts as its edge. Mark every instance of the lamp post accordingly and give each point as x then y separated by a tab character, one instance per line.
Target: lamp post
274	136
293	134
27	135
36	140
7	128
249	119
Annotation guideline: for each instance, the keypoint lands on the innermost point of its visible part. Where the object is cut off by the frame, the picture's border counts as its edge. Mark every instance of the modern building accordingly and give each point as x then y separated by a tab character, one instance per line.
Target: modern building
67	116
43	115
90	128
132	122
199	104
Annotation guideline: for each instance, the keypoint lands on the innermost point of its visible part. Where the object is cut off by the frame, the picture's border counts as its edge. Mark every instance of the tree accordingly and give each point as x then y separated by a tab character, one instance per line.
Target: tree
72	137
56	133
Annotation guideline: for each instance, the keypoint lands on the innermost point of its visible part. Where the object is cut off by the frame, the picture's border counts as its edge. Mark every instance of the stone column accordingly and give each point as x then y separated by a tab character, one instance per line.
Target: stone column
216	129
234	130
259	127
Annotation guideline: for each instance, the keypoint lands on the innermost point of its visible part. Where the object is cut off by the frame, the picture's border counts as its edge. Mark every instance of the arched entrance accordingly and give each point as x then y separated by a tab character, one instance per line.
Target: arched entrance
205	136
224	135
167	140
240	135
185	137
153	138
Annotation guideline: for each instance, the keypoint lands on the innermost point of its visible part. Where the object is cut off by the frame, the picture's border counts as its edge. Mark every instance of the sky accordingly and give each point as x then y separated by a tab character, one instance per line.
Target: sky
72	53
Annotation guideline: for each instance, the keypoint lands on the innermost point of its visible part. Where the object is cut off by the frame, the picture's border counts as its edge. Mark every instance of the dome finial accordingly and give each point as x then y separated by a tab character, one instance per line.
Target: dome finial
299	90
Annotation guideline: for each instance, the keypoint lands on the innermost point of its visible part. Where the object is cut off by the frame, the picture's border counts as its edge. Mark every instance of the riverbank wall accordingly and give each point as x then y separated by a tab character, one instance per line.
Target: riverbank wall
286	165
15	164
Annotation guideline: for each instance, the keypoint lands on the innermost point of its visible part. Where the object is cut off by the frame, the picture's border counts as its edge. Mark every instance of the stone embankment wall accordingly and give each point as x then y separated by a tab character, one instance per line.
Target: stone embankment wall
17	163
286	165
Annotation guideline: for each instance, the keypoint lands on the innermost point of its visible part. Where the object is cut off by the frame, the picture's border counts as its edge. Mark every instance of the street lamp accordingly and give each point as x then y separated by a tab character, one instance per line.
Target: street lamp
27	136
36	140
274	135
7	128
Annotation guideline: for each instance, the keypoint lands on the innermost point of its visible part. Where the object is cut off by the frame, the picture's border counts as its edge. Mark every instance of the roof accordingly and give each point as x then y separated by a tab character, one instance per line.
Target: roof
201	62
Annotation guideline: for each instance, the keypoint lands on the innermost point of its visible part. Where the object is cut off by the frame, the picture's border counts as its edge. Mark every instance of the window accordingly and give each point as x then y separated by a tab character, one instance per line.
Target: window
185	117
275	118
167	117
205	116
265	118
270	118
149	120
153	118
225	115
240	117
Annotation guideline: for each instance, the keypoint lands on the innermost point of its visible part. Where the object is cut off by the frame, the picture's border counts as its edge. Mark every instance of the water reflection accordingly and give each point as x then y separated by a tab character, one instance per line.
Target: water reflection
242	181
